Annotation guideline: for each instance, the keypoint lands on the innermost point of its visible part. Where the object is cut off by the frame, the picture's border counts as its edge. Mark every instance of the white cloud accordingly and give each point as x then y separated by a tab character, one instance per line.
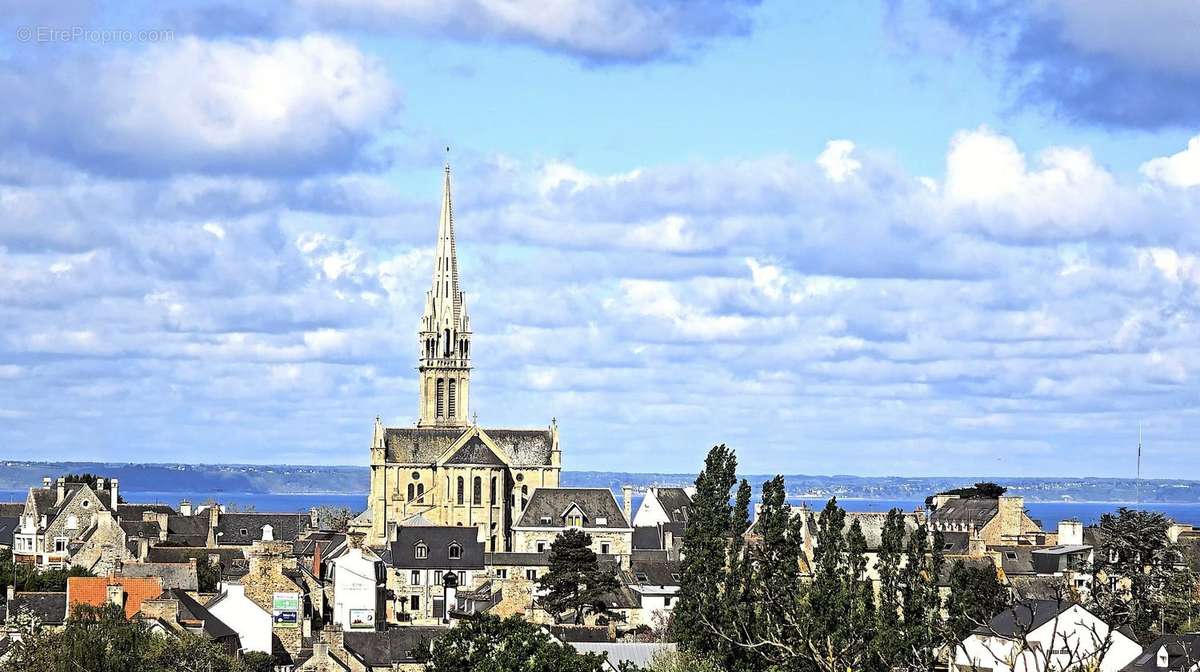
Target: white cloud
836	160
1178	170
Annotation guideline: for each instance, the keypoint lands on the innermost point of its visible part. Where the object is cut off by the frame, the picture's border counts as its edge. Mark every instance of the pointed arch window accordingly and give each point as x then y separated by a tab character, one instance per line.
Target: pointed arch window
449	345
450	404
477	491
441	397
455	552
461	488
421	551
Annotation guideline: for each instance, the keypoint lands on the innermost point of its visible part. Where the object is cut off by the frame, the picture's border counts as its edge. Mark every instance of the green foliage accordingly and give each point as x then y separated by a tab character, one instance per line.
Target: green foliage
100	639
576	583
91	480
485	643
674	661
208	575
27	578
1139	577
984	490
257	661
888	646
700	608
976	595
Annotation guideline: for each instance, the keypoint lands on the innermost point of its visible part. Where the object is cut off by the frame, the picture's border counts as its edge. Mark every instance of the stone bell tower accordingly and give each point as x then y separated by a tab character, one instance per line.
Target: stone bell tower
445	336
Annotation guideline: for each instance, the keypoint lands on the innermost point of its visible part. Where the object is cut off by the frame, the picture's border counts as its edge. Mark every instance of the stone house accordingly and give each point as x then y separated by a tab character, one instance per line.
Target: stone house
417	563
552	511
273	575
515	575
996	521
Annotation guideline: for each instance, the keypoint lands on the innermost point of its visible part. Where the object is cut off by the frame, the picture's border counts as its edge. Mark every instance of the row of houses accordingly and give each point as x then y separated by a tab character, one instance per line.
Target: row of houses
276	583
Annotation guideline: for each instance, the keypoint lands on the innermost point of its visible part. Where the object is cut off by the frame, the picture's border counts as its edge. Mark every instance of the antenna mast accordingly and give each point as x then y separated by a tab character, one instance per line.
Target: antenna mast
1138	487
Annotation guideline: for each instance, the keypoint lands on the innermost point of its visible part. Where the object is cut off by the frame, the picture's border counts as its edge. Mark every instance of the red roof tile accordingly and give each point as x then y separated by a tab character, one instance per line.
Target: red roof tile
93	590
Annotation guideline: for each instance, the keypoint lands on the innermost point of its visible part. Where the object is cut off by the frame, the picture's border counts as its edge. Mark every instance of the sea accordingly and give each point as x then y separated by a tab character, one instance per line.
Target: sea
1049	513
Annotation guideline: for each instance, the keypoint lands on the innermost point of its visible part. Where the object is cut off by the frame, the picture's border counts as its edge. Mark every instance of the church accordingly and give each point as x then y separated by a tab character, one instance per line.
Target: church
447	470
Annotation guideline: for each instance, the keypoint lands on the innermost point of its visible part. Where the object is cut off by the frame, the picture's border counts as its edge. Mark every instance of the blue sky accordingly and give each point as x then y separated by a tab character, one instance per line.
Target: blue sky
875	238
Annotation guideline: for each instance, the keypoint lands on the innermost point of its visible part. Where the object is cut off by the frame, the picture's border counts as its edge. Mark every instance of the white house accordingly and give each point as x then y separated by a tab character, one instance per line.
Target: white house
1046	635
251	622
358	584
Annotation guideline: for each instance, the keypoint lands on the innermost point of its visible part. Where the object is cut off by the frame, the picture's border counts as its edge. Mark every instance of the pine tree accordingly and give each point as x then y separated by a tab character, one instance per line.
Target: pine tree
576	583
702	608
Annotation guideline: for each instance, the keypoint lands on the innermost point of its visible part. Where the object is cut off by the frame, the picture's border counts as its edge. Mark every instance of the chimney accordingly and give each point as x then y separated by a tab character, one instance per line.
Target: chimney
1070	532
62	490
113	498
1011	511
627	494
143	548
163	524
940	500
214	515
1174	530
668	540
99	484
12	593
185	508
312	519
45	482
116	594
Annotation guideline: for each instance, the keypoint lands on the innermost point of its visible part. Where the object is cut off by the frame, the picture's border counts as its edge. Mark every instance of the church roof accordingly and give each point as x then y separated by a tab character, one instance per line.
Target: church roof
424	445
475	451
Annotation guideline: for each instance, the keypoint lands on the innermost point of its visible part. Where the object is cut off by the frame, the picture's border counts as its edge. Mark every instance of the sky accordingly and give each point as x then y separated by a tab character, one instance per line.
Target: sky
876	237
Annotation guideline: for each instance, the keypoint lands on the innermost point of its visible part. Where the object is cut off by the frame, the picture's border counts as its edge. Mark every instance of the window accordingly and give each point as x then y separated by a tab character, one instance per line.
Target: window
642	578
412	490
455	552
501	574
421	492
60	544
243	532
948	546
450	405
545	520
574	520
675	578
441	397
524	496
462	578
86	503
492	492
531	574
72	522
604	548
416	602
437	578
602	521
416	475
415	579
477	491
1010	555
541	547
422	551
461	488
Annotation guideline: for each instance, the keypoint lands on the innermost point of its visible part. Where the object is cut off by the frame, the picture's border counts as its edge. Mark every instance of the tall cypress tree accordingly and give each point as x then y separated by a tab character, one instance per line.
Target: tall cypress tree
922	601
888	644
702	602
739	584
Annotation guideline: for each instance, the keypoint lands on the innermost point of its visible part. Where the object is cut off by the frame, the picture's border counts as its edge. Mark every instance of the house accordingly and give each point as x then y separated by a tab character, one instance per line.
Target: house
552	511
1044	635
125	592
244	616
181	575
1169	653
655	578
993	521
358	591
274	582
175	612
662	506
515	575
243	529
418	561
49	608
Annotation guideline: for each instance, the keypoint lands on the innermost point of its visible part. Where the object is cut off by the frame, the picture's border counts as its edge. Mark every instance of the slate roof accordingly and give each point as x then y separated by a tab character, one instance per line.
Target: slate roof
956	543
475	451
1024	618
1015	560
162	553
11	509
978	511
394	645
437	540
8	526
871	523
174	575
50	608
1183	651
649	538
675	501
284	527
192	610
140	528
424	445
651	569
552	504
135	511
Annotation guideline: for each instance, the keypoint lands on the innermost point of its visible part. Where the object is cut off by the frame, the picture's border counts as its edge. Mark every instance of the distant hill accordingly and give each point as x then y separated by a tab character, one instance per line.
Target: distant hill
298	479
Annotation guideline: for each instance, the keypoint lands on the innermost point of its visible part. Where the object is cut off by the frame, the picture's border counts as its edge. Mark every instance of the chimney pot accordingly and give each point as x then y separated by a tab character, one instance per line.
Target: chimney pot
627	494
113	498
185	508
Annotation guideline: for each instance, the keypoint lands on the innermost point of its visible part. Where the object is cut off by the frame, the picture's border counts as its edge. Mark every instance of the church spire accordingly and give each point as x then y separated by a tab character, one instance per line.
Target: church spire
445	337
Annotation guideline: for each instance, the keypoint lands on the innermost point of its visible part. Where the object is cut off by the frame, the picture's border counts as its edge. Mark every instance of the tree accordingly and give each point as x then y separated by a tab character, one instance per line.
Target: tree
701	607
889	632
976	595
100	639
27	578
208	575
485	643
674	661
1139	577
91	480
922	605
984	490
334	518
576	583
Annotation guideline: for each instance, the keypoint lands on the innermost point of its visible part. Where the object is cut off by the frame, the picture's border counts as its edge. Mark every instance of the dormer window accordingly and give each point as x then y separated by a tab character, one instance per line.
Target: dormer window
455	552
545	520
574	520
602	521
421	551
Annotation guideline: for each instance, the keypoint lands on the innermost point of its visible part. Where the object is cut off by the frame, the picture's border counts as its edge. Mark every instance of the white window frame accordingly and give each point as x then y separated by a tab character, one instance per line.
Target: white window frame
63	541
415	578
